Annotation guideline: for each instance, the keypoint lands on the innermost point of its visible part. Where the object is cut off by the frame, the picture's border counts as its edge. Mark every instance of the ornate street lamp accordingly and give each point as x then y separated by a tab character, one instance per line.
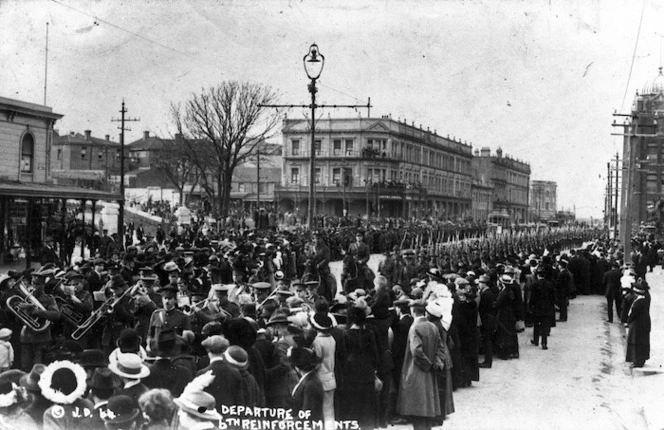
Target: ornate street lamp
313	66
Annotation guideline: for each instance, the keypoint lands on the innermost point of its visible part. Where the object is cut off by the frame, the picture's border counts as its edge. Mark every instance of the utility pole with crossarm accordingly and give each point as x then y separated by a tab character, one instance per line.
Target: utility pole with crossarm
122	128
313	66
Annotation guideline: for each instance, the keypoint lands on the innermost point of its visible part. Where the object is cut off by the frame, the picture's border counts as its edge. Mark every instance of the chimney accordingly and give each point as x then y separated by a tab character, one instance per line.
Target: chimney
477	153
87	135
108	137
71	133
499	152
146	135
485	152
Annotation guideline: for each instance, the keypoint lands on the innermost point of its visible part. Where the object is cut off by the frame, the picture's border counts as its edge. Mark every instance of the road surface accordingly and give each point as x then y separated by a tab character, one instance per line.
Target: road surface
580	382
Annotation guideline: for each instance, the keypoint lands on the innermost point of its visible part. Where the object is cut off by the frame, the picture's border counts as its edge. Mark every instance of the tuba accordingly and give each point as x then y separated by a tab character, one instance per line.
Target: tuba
17	304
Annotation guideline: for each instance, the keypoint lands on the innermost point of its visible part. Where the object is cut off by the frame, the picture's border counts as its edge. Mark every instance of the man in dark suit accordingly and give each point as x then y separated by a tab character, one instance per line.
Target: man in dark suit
488	318
611	284
226	386
564	287
164	373
320	257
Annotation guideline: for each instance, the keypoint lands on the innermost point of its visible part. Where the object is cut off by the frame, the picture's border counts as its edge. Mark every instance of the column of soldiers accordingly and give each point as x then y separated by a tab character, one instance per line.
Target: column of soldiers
261	321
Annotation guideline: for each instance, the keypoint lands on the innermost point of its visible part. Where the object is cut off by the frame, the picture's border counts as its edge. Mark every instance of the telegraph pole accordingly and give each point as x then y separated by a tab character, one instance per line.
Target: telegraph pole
122	128
258	178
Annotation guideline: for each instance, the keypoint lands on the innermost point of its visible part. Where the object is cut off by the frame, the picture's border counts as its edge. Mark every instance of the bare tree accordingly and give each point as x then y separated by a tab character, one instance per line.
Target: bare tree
177	167
220	128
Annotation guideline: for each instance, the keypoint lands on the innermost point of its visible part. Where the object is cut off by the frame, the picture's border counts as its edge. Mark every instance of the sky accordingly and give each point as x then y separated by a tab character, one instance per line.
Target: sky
540	79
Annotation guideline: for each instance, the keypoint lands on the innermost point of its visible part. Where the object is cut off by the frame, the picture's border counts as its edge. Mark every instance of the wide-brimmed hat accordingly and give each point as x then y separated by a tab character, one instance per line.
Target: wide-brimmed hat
278	275
435	273
199	404
435	308
31	380
5	333
121	409
129	366
9	380
63	382
278	317
360	303
506	279
483	279
171	266
641	287
104	379
320	321
237	357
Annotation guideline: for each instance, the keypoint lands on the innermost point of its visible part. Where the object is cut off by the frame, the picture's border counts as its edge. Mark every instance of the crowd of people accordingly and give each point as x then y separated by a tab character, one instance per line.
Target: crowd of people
195	330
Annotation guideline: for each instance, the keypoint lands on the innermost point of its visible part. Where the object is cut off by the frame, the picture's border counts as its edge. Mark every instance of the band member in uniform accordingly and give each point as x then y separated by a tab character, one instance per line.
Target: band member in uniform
117	317
78	303
34	343
168	318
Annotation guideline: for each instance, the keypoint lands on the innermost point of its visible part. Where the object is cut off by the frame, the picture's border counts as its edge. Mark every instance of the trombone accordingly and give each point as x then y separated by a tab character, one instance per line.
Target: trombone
104	309
24	299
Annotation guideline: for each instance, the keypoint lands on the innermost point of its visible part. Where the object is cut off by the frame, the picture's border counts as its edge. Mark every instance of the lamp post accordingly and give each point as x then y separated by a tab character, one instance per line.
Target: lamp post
313	66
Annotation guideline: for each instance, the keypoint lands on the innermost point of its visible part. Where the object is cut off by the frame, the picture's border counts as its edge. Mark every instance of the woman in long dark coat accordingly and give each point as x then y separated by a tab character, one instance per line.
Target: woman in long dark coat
360	400
507	342
638	320
465	316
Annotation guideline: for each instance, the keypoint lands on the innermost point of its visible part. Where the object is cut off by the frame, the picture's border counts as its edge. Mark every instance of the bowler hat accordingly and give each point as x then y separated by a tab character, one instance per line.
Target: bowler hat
103	379
121	409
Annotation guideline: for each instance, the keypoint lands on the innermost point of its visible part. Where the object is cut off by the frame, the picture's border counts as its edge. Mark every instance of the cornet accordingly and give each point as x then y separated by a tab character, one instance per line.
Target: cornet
17	304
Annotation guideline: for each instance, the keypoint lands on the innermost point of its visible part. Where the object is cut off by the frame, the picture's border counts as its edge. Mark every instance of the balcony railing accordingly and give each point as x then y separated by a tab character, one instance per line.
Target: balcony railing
365	153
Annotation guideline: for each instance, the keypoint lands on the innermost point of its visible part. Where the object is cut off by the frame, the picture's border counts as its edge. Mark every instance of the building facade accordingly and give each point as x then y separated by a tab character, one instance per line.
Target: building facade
543	200
641	191
511	181
83	160
31	206
482	200
375	167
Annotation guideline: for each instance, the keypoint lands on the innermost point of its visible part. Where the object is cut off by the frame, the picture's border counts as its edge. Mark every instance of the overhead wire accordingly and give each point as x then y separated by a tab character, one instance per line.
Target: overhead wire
117	27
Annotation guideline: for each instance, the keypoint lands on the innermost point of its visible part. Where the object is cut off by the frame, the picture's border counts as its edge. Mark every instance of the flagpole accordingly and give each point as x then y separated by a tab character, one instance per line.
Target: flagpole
46	65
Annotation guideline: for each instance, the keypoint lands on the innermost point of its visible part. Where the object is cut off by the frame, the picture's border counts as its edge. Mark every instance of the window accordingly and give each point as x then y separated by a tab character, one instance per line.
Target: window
295	175
84	152
296	147
101	154
117	154
348	177
336	147
336	175
27	153
349	147
317	175
262	187
317	147
59	154
241	187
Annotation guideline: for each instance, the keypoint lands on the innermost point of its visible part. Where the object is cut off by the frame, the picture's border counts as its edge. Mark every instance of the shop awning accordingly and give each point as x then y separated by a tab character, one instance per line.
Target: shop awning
48	191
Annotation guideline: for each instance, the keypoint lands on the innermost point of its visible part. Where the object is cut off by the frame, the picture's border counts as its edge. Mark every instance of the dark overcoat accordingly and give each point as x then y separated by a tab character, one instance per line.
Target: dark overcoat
638	334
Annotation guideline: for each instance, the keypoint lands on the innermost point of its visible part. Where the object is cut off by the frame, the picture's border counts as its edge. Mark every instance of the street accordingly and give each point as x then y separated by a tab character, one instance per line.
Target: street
580	382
